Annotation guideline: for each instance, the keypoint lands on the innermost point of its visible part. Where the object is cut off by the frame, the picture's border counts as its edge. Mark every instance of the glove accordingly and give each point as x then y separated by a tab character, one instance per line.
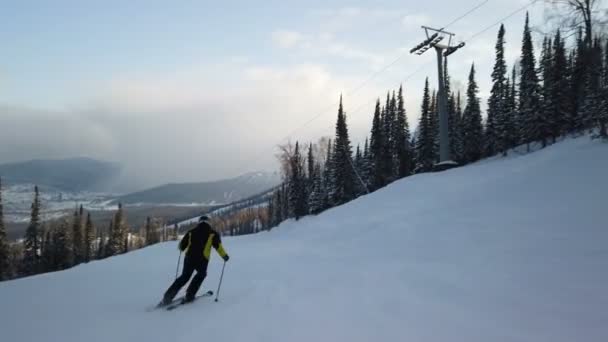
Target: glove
226	257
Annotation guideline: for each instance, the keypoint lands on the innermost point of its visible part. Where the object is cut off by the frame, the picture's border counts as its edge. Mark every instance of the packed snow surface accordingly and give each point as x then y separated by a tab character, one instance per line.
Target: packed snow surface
508	249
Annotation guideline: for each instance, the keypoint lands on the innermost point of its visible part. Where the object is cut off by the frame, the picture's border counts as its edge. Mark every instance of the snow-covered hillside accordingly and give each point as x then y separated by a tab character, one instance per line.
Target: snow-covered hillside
509	249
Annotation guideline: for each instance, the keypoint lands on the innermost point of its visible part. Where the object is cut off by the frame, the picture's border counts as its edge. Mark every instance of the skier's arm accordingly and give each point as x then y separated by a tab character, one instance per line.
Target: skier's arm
185	243
217	244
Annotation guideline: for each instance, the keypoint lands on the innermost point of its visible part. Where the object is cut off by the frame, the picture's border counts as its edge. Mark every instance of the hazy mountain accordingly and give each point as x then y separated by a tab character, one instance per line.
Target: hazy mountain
217	192
75	174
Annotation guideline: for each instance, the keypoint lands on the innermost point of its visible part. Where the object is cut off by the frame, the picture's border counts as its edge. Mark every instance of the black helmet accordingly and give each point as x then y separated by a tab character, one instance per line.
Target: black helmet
204	218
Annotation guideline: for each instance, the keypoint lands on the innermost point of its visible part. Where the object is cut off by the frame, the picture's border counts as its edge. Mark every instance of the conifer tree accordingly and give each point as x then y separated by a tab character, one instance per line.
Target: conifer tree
559	90
284	202
316	201
592	104
455	129
327	172
495	130
578	84
434	125
512	123
117	234
274	208
425	141
89	239
529	92
344	187
78	237
48	251
311	166
62	242
404	163
545	117
377	148
31	243
367	166
387	154
297	186
472	123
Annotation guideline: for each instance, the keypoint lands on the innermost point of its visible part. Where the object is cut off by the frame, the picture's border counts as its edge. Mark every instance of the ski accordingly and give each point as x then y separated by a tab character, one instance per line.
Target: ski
179	302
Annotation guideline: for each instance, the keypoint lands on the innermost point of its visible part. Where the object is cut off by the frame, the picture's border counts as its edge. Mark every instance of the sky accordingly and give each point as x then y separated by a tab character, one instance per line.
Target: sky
198	90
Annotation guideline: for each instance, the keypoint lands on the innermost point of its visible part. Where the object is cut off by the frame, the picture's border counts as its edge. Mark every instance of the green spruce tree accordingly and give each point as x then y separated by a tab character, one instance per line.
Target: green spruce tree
495	140
472	122
345	186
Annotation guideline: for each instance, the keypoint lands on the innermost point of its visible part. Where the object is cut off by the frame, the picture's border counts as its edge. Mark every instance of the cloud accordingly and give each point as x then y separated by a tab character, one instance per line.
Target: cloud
324	44
412	21
192	124
287	39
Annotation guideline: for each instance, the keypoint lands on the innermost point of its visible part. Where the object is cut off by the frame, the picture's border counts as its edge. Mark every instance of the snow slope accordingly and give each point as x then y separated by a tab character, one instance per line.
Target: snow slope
509	249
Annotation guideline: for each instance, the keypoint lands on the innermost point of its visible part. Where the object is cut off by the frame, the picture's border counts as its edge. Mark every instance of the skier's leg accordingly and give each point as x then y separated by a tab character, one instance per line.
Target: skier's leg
178	283
195	284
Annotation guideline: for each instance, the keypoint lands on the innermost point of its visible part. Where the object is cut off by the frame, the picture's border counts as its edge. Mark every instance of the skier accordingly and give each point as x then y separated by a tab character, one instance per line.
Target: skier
197	245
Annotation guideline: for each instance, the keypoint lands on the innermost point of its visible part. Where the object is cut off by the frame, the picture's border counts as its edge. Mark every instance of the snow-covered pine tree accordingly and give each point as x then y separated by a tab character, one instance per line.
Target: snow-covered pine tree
529	91
4	246
31	242
472	122
495	125
345	186
89	236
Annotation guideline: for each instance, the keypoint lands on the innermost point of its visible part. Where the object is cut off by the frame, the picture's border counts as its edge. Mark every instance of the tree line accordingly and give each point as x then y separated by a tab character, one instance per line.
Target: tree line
70	241
564	93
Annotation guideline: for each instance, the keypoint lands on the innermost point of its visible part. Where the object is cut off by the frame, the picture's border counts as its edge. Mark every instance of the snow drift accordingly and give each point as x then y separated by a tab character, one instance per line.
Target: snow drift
511	249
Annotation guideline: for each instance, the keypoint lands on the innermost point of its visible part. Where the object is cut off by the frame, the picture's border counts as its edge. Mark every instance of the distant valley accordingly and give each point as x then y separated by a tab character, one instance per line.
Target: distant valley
67	184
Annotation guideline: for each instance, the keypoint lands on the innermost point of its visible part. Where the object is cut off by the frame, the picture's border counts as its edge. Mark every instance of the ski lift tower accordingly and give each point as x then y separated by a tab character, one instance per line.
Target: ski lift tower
433	39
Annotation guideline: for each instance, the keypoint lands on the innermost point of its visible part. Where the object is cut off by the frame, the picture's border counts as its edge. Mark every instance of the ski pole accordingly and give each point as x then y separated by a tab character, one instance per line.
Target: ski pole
220	284
178	262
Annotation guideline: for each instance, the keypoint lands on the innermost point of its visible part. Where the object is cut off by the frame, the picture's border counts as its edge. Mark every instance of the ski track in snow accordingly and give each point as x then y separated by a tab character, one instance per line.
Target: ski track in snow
509	249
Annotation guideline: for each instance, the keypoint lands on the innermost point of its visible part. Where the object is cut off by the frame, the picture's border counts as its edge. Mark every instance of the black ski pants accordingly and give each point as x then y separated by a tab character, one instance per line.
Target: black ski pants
200	266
